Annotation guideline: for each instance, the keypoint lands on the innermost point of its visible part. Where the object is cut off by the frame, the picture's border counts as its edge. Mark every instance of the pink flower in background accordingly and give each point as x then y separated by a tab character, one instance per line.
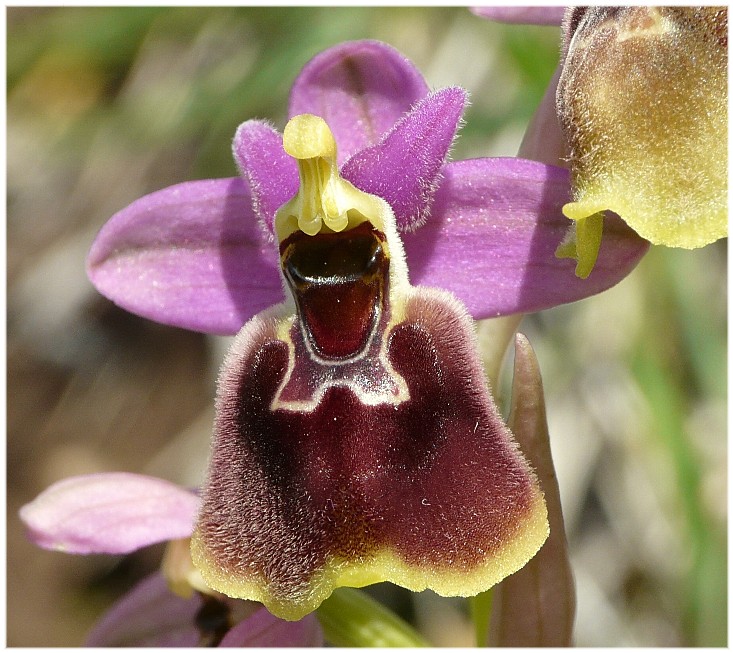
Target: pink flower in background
118	513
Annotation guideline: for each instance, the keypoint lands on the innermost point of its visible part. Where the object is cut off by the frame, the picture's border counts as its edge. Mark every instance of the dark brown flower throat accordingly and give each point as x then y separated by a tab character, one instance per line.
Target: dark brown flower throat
338	281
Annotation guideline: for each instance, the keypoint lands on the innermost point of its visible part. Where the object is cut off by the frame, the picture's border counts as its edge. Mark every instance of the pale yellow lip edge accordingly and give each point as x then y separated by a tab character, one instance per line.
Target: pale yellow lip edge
704	228
386	566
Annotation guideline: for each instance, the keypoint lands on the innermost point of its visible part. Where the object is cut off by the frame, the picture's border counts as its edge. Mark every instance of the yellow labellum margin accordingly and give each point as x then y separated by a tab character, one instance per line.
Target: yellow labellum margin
643	103
356	440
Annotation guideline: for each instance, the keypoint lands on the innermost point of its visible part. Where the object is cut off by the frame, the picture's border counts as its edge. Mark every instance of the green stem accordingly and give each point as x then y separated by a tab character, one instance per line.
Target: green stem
352	618
481	615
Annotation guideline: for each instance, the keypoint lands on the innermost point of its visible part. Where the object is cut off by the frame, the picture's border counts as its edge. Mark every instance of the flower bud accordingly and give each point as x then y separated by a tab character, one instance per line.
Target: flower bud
642	100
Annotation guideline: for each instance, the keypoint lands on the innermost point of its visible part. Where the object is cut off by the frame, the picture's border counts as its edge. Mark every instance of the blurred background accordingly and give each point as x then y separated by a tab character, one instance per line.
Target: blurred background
107	104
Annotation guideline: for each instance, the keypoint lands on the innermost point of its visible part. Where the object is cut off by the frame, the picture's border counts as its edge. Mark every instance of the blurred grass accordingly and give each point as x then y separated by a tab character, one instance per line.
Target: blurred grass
106	104
681	366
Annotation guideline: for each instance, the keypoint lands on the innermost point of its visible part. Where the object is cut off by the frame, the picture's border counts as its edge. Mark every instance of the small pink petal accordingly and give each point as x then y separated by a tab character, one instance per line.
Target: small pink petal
404	168
272	174
525	15
192	255
360	88
148	615
265	630
109	513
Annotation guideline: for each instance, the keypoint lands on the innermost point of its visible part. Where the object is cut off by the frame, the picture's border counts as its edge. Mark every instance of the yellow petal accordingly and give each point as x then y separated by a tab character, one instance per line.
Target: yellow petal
643	103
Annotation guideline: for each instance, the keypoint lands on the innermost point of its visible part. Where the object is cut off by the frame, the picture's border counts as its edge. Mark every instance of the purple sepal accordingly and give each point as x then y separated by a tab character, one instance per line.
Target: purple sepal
263	629
109	513
360	88
491	239
148	615
151	615
413	152
192	255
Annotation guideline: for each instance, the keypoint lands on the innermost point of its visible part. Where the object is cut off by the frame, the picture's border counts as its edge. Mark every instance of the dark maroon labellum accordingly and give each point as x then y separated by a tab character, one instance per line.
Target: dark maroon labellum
431	478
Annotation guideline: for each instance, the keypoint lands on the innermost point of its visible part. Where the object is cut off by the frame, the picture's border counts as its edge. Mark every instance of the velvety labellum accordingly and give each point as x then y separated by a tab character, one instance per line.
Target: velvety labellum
643	105
393	466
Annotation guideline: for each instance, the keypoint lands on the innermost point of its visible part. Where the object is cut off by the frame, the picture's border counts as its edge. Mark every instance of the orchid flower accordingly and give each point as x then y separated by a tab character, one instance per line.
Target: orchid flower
199	255
356	439
642	101
117	513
